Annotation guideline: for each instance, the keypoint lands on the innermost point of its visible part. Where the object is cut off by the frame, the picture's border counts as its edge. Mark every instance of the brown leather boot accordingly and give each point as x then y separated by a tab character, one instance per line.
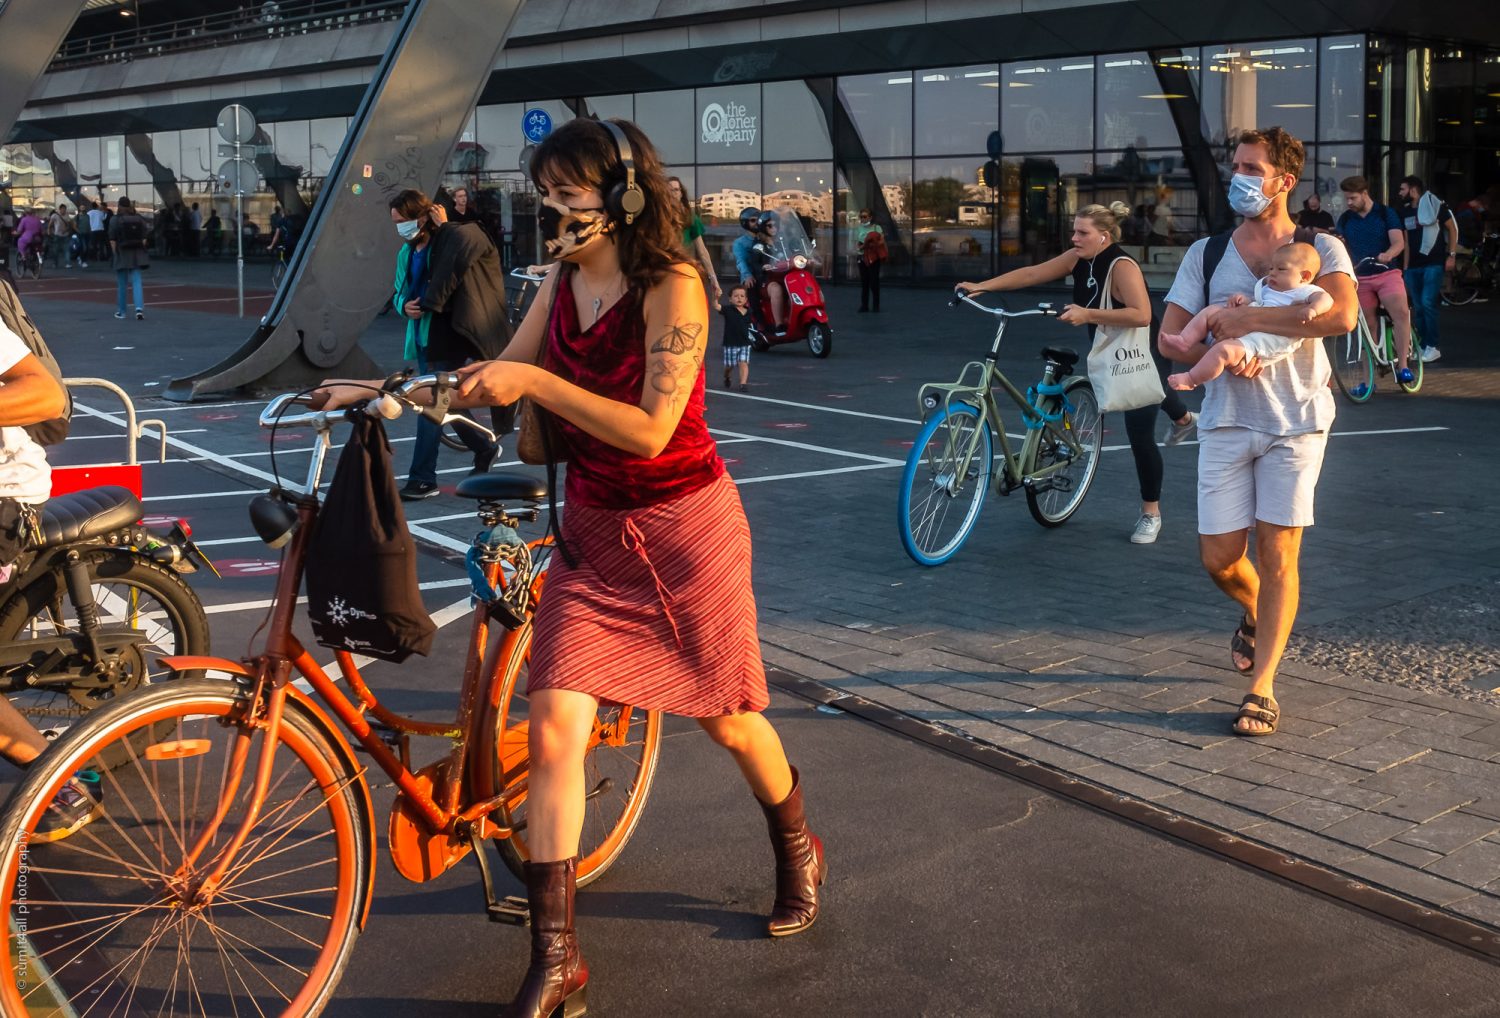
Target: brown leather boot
557	981
800	866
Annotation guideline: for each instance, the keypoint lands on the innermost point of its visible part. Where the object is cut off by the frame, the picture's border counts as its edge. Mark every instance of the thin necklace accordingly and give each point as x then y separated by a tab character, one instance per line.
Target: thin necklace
599	299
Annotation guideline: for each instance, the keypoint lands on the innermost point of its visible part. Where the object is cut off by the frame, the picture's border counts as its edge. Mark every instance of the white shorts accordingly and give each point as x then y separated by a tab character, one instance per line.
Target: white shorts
1245	476
1267	348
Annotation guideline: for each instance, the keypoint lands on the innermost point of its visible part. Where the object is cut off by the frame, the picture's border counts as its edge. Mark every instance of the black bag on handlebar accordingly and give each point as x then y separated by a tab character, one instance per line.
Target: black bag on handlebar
362	593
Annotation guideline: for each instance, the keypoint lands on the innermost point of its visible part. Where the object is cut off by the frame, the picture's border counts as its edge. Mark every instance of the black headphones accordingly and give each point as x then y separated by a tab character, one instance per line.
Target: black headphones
625	200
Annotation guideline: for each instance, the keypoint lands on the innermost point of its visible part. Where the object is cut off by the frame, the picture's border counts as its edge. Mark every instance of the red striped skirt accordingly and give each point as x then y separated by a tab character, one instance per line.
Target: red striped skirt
659	612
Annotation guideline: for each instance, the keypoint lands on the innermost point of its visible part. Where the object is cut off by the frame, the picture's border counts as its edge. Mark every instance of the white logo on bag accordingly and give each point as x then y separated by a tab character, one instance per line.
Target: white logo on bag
341	612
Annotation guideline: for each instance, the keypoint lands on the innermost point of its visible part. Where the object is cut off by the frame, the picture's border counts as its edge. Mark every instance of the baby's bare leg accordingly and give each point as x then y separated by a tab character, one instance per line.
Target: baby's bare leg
1193	333
1219	358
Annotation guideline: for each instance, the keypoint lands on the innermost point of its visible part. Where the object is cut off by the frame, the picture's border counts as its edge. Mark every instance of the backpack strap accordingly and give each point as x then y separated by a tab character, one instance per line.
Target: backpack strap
1213	254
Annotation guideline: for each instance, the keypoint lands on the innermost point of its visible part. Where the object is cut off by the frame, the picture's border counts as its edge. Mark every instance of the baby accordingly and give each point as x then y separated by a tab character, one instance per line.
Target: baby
1288	284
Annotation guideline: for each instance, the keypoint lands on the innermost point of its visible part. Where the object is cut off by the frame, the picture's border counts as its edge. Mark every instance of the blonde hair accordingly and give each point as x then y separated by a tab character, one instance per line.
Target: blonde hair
1106	219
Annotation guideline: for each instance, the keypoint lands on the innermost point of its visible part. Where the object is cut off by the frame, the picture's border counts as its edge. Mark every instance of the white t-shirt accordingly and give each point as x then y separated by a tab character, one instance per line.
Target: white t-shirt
1288	398
24	473
96	220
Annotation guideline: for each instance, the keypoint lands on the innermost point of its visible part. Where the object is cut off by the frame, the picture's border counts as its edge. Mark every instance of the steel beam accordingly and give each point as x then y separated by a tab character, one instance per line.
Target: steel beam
411	117
31	31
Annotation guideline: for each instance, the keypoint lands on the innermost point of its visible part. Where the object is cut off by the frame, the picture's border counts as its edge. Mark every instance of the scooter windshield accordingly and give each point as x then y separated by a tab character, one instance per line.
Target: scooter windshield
789	240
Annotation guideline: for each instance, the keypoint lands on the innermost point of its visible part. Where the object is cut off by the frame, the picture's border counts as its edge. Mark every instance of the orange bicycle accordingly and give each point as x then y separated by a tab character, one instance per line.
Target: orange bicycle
230	864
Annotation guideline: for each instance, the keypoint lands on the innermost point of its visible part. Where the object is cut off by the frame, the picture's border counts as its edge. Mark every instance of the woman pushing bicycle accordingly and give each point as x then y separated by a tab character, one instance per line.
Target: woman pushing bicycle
1095	251
649	599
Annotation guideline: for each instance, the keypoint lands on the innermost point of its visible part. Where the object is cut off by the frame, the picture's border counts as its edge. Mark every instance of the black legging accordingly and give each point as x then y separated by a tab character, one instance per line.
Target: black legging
1140	428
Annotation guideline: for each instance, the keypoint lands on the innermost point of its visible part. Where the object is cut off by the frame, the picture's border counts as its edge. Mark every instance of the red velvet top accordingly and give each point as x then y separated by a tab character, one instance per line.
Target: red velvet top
609	360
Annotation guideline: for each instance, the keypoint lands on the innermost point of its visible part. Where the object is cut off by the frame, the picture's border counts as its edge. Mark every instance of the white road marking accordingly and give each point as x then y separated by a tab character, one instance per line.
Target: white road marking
245	606
150	433
820	473
1332	434
809	448
430	536
814	406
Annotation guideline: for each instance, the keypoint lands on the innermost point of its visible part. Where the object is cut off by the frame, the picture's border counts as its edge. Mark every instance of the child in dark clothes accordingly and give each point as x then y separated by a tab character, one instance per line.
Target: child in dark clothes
737	335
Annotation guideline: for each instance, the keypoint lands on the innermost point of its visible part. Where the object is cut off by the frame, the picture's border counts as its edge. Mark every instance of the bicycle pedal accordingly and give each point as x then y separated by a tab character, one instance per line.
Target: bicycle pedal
511	910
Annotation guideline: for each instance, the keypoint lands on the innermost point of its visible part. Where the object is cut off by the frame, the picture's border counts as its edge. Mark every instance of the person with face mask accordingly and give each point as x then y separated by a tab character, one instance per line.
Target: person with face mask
1096	251
1262	429
649	599
1373	232
449	288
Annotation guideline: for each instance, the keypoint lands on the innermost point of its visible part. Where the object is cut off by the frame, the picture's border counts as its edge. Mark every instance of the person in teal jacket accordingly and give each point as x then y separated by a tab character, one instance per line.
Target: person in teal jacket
411	283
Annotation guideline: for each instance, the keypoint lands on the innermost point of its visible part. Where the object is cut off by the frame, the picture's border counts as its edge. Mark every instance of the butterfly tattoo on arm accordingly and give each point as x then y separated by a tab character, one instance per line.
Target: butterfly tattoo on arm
679	339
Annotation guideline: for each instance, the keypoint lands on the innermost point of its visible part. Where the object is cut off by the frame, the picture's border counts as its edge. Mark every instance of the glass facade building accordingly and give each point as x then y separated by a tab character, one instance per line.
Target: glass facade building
1150	128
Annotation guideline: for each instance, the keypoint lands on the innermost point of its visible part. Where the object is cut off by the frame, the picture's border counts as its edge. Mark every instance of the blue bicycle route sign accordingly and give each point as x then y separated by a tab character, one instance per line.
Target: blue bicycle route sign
536	125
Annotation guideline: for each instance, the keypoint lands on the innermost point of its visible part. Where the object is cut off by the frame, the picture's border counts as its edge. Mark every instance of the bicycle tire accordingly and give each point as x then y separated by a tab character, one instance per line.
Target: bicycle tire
605	831
1087	423
43	606
930	485
450	439
278	272
139	836
1462	285
1352	365
1413	361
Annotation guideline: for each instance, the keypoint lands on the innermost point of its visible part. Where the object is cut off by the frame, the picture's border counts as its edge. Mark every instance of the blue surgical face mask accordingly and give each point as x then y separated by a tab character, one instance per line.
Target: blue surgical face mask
408	229
1247	195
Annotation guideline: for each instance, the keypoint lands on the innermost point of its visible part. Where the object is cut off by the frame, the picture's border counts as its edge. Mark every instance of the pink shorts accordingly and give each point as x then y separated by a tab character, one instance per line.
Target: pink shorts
1388	288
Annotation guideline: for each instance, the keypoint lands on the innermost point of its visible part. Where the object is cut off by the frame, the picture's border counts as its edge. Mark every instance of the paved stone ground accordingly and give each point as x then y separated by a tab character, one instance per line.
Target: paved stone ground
1078	649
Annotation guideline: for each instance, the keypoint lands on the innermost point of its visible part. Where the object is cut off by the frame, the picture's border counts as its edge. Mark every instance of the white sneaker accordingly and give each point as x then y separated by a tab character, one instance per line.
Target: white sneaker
1179	432
1430	354
1146	529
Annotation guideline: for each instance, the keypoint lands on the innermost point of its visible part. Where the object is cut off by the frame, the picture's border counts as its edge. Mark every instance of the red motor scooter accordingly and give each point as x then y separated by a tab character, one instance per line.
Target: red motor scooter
789	258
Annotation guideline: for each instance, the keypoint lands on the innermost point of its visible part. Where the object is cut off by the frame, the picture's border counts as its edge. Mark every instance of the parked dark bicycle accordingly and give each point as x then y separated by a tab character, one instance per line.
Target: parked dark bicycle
1476	273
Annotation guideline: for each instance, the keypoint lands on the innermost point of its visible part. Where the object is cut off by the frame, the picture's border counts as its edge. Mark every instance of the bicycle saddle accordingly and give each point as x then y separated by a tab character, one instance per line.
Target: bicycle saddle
85	514
502	488
1060	355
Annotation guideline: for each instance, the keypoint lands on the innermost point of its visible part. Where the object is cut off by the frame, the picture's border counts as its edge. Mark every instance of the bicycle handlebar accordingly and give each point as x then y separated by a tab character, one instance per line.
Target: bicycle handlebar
529	277
1048	309
389	404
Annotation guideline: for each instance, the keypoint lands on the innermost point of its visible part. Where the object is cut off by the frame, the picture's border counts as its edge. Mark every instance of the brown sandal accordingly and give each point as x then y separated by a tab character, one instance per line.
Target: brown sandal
1240	644
1256	708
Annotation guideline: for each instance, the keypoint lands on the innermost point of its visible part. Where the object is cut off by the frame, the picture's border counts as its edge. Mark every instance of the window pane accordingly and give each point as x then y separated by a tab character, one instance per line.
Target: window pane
606	106
1134	106
1451	73
1039	195
1159	190
953	214
795	125
667	118
497	130
1332	164
1258	84
199	156
728	123
880	106
113	170
887	192
1487	106
725	191
807	189
956	108
1341	89
1048	105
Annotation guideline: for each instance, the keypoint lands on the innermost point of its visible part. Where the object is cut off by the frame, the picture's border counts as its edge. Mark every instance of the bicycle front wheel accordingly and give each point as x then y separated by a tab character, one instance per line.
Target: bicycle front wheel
1353	367
110	919
1414	361
943	486
619	765
1056	495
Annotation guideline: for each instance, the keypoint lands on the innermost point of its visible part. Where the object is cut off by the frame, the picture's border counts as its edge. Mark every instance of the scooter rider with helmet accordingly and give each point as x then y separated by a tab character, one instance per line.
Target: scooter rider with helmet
761	230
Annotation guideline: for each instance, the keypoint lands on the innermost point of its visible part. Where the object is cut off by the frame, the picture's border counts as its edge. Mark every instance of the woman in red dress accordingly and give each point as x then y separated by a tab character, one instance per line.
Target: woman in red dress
652	605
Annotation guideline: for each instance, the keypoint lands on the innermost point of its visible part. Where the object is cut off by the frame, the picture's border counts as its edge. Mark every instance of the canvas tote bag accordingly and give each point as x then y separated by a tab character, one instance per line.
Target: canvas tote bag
1120	365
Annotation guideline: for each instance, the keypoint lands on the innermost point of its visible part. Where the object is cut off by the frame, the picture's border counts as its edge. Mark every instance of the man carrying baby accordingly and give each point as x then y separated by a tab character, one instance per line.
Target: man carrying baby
1263	427
1288	284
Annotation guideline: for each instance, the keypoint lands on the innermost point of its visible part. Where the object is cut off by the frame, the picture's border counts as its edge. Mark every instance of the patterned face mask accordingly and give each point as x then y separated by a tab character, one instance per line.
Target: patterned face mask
566	231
